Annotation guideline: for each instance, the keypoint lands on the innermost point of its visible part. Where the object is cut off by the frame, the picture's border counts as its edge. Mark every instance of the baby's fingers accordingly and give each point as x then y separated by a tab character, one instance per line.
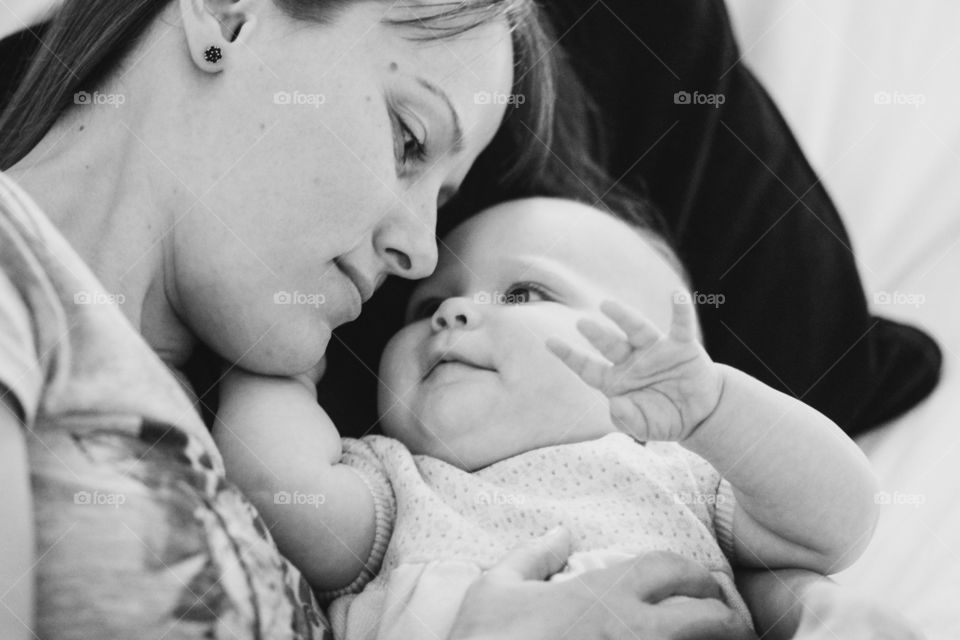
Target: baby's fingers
609	342
590	370
684	325
640	332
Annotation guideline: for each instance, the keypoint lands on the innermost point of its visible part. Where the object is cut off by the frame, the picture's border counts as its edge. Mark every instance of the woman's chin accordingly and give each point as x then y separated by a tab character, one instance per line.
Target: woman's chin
281	353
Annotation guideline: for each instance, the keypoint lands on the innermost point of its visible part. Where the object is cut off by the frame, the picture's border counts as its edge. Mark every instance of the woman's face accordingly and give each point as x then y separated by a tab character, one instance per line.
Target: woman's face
319	154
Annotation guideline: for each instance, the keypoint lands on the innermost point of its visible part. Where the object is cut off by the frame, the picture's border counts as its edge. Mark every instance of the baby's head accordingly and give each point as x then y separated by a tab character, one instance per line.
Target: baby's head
469	379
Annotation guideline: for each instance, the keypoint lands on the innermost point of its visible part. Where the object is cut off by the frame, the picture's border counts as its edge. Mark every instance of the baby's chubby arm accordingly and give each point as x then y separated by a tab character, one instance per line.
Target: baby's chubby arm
804	490
283	451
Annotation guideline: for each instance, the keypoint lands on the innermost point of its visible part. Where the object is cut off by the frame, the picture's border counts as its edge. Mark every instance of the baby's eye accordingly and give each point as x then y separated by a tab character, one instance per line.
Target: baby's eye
526	292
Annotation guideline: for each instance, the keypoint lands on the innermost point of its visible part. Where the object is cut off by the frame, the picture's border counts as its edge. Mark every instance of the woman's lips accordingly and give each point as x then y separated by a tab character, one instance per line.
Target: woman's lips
365	286
352	291
356	303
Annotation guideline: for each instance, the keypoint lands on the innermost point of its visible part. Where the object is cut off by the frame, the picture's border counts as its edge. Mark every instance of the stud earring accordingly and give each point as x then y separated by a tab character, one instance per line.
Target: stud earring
213	55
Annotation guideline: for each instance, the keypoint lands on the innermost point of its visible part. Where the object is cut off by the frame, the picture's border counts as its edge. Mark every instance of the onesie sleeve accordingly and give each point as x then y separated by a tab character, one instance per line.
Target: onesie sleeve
362	459
715	494
723	516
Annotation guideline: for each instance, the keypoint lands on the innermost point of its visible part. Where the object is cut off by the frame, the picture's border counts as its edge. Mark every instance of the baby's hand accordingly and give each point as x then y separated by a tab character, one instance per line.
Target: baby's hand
661	387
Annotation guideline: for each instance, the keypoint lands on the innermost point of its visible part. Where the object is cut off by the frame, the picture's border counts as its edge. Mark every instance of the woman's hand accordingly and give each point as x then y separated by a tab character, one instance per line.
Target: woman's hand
832	611
512	601
661	387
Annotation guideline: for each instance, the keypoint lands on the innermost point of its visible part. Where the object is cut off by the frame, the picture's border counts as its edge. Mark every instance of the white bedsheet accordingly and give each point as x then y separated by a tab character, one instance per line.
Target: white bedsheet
872	91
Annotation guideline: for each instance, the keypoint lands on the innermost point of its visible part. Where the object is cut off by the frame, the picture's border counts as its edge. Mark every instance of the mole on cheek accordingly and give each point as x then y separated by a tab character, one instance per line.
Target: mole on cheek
393	66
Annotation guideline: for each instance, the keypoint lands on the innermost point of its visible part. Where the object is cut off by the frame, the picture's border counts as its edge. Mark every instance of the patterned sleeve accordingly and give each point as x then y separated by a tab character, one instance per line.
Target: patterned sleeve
360	456
21	374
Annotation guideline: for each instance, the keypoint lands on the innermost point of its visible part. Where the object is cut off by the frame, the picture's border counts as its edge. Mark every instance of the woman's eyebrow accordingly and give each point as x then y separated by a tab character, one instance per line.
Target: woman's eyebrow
454	116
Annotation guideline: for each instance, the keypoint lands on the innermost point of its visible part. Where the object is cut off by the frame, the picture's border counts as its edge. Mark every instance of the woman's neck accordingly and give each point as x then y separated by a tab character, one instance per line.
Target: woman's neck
99	177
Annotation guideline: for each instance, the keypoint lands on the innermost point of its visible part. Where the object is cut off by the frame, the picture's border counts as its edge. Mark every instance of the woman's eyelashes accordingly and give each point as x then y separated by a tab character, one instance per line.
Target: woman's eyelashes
408	147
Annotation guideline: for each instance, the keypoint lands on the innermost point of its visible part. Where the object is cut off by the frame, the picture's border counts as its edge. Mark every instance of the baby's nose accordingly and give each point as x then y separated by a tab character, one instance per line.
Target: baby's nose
455	313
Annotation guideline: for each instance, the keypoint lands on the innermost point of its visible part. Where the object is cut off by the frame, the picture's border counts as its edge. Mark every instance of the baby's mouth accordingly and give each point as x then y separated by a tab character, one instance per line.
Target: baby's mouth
454	360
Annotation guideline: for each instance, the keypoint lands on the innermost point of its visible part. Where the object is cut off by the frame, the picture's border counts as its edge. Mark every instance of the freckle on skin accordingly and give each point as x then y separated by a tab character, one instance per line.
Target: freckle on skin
393	66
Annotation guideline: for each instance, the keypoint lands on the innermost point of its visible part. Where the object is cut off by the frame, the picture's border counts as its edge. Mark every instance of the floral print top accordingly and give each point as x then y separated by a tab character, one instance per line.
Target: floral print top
138	533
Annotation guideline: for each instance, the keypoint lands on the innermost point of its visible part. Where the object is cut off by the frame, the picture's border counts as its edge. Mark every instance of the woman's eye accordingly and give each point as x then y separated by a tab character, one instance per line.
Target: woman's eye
526	292
407	147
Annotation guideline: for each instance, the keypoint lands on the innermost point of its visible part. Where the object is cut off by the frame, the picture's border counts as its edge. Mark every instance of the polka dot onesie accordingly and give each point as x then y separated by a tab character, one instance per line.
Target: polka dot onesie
439	527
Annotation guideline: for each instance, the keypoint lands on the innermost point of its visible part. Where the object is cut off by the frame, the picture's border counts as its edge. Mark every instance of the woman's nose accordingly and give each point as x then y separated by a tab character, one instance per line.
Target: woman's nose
406	241
455	313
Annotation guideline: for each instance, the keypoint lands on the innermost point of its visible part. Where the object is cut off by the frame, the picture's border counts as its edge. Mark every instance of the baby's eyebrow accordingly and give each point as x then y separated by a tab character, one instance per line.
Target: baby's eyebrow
529	266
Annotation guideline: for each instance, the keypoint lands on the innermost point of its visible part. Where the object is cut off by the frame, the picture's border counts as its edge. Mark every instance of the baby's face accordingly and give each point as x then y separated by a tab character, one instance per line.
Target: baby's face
469	380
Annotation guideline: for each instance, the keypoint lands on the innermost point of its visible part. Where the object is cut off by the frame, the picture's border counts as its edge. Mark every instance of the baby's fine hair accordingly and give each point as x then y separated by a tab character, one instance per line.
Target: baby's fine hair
643	216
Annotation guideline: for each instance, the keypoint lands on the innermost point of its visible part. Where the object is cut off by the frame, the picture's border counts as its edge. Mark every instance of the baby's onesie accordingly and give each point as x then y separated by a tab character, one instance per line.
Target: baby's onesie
439	527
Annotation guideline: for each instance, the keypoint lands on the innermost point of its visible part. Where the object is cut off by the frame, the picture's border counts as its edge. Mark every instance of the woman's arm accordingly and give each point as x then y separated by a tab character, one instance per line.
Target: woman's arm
775	598
283	451
16	527
802	605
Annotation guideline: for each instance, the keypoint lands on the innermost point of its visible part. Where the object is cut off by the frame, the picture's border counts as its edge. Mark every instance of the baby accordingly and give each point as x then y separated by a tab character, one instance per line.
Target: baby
520	397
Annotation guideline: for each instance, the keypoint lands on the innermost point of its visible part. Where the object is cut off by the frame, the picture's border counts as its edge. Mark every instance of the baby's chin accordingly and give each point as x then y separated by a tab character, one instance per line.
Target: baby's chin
469	438
470	453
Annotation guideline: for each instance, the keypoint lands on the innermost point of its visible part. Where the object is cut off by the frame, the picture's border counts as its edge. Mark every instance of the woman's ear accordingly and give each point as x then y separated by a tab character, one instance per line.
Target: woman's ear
215	28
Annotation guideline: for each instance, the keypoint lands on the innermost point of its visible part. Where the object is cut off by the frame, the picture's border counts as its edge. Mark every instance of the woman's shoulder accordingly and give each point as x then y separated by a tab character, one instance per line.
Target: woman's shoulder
23	295
17	205
65	345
